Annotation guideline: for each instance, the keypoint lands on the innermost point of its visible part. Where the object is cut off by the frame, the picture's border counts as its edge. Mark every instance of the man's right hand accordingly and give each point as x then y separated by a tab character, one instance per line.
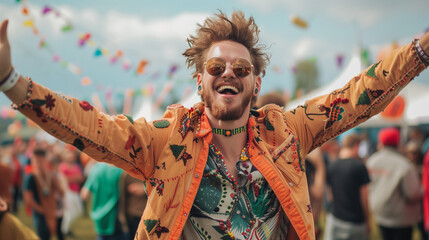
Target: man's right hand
5	59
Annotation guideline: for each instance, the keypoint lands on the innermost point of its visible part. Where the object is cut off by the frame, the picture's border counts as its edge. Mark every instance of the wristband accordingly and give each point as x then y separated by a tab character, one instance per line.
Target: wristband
10	81
423	56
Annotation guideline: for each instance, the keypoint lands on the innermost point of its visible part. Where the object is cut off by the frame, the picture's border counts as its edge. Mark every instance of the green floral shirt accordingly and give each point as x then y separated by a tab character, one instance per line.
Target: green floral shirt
234	208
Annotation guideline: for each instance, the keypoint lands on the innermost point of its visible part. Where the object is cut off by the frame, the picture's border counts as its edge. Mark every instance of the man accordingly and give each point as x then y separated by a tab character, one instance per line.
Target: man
103	185
348	183
132	202
218	170
395	190
40	188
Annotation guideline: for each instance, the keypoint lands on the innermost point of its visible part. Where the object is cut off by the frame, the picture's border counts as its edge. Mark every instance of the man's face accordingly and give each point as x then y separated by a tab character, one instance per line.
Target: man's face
227	97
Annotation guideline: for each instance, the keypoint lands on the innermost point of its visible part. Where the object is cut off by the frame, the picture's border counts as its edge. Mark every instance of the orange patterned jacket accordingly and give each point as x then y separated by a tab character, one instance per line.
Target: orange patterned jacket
170	153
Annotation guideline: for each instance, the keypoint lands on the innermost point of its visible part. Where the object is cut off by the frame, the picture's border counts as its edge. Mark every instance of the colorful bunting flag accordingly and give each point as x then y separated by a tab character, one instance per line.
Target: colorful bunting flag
67	27
141	67
46	10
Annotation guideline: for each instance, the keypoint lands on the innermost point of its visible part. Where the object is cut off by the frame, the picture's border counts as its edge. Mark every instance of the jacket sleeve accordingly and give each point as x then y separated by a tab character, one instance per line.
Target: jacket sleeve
118	140
364	96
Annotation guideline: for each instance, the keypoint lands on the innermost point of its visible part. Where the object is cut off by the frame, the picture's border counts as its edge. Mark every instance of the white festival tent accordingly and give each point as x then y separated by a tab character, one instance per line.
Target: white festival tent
353	68
146	109
416	96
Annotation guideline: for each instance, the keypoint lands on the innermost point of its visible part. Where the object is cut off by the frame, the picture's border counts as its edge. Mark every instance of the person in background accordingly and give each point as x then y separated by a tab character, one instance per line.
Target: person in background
102	185
11	228
6	179
40	189
415	156
273	97
330	151
348	180
59	198
72	171
425	184
132	202
316	179
18	162
395	190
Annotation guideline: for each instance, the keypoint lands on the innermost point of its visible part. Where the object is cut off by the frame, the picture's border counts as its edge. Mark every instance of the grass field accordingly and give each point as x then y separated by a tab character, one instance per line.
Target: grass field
83	228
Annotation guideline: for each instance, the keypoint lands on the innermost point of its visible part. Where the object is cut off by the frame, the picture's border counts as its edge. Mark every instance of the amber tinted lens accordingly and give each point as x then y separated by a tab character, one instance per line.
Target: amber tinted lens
215	66
241	67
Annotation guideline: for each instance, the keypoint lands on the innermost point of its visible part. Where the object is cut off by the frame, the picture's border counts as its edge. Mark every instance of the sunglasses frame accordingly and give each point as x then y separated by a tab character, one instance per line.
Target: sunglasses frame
238	59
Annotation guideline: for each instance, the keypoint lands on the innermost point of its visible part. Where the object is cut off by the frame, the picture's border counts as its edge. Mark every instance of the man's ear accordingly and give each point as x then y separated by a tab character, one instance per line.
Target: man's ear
257	88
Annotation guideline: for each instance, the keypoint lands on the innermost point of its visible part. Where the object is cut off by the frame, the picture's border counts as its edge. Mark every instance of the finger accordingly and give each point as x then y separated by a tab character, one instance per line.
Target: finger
3	31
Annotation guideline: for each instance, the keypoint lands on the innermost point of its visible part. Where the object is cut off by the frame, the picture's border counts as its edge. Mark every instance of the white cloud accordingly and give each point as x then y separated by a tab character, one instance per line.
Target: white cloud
138	37
306	47
363	13
124	27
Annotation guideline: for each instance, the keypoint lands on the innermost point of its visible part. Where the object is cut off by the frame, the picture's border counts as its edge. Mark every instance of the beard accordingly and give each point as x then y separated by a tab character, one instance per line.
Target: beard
222	111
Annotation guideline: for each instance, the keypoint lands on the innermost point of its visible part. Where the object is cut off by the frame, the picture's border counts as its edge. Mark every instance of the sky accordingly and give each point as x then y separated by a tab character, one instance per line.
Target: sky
156	32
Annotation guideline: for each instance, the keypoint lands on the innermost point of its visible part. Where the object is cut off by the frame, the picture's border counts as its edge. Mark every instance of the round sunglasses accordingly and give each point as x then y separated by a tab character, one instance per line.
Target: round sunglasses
217	66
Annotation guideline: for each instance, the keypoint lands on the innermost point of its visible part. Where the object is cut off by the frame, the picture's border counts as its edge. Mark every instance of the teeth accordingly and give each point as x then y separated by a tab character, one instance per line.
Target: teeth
232	88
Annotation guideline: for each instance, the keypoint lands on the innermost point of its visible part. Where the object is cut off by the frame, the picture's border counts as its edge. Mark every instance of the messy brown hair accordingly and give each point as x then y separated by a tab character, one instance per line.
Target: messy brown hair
220	28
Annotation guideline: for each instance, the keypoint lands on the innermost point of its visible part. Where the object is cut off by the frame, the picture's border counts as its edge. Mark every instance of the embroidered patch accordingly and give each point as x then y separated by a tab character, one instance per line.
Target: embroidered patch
38	102
38	110
150	224
185	125
129	119
78	144
185	157
50	101
268	125
309	209
159	184
373	94
371	71
177	150
385	72
364	99
86	106
130	145
336	114
154	226
130	142
161	123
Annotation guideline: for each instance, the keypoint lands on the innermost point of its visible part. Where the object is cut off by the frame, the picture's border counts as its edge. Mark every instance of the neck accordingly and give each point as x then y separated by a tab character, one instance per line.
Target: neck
230	146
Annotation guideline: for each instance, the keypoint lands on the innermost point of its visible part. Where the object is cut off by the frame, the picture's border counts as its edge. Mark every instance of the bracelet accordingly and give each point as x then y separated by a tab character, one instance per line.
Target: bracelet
8	75
423	56
10	81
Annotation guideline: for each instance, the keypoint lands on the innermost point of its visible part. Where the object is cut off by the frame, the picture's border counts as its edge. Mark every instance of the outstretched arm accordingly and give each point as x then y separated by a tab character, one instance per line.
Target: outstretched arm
18	92
364	96
118	140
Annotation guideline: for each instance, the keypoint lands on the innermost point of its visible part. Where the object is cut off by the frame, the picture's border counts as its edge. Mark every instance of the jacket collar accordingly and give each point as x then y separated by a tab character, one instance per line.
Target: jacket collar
205	130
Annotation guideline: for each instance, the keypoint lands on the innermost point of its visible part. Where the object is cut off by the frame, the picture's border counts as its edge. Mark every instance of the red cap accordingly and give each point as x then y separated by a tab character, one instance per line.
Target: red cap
389	136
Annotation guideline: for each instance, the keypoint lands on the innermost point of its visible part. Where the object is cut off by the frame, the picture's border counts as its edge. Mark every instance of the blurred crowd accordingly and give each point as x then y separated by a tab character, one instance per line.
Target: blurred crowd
355	183
55	184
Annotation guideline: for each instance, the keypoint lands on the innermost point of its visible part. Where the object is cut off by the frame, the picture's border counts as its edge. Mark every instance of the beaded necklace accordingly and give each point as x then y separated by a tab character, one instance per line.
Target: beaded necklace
226	225
243	157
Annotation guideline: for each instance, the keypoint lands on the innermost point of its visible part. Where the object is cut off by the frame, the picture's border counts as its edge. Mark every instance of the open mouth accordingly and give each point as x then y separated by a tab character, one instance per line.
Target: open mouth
227	90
